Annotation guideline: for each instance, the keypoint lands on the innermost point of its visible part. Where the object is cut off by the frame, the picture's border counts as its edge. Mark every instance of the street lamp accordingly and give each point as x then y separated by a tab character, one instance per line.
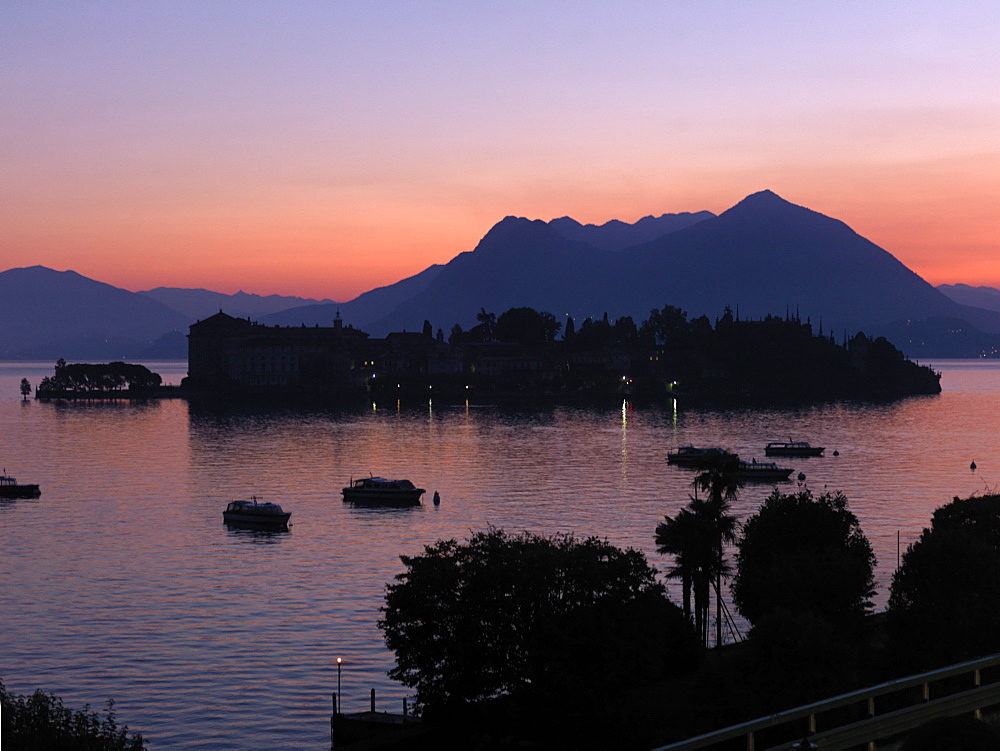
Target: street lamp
339	661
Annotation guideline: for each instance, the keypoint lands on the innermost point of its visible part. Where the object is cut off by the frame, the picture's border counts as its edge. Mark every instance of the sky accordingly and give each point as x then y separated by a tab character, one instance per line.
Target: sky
322	149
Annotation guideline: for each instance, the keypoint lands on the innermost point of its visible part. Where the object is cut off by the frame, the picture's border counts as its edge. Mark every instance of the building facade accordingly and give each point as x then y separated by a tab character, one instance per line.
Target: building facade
226	353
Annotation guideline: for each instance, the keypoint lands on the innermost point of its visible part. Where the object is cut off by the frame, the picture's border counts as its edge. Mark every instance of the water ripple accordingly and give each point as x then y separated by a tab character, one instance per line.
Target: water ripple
122	580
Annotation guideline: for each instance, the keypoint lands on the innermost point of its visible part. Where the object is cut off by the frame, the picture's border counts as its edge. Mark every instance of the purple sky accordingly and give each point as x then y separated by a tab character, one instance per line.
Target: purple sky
325	148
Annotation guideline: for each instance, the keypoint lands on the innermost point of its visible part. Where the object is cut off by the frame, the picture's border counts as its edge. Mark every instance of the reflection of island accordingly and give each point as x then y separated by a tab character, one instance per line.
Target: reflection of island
518	356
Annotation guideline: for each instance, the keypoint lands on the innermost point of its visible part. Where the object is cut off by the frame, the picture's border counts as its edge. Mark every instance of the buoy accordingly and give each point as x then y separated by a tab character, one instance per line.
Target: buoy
836	453
972	466
802	476
437	498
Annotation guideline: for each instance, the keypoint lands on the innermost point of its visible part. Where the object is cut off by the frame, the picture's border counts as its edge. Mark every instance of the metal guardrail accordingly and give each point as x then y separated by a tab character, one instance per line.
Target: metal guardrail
876	726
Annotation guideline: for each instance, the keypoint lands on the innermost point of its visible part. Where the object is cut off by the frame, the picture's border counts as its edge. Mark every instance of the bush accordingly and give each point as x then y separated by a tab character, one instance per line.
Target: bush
41	721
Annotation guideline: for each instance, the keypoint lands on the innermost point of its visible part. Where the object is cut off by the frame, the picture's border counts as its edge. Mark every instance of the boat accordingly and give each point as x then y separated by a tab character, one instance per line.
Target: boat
383	491
256	513
10	488
792	448
689	456
762	471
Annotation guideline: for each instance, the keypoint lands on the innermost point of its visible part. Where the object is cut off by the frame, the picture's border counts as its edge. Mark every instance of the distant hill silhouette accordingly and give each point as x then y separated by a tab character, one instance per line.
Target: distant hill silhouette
360	311
976	297
46	313
196	304
764	256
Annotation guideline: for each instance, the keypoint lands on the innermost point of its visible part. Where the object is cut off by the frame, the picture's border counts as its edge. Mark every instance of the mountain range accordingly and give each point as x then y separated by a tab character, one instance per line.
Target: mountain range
764	256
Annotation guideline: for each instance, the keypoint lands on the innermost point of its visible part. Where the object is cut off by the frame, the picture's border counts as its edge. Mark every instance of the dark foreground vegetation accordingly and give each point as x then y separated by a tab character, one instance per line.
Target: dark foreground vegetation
521	641
41	721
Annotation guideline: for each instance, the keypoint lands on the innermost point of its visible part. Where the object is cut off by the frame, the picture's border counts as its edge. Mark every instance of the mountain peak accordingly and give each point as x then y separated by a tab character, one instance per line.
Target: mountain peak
765	194
762	198
767	207
511	226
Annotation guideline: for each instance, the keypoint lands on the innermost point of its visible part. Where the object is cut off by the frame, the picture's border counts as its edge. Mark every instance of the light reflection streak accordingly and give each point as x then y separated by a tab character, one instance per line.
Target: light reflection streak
624	443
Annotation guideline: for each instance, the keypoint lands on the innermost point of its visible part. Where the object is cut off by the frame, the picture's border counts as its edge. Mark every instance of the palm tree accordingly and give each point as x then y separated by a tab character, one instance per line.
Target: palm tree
718	477
489	322
696	537
690	537
675	537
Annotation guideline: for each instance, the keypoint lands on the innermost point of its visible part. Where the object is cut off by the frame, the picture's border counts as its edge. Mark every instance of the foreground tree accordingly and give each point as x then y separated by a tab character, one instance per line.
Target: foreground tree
41	721
530	619
803	554
945	601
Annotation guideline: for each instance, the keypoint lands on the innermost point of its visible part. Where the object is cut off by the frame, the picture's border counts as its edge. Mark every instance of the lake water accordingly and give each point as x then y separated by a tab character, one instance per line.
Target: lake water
122	581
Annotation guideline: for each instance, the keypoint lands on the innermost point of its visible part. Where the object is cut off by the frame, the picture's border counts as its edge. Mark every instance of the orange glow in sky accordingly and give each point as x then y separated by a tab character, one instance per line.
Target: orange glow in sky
322	150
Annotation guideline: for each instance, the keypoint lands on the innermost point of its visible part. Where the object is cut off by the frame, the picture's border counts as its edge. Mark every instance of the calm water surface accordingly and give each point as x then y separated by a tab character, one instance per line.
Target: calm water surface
121	580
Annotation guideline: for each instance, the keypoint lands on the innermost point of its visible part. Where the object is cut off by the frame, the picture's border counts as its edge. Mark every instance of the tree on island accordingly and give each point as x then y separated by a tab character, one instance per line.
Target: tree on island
95	378
944	604
801	554
488	322
667	326
25	388
528	621
769	360
569	331
527	326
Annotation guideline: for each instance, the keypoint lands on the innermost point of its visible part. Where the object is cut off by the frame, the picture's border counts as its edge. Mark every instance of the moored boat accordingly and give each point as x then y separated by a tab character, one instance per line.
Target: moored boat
762	471
689	456
382	491
792	448
255	512
10	488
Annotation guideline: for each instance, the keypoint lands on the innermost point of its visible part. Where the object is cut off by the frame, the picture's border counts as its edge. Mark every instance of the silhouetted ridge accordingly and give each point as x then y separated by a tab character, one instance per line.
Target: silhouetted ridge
764	256
514	237
44	312
514	225
617	235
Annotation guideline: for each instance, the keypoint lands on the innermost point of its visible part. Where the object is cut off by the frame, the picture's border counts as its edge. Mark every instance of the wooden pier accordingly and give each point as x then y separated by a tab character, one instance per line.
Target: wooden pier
372	729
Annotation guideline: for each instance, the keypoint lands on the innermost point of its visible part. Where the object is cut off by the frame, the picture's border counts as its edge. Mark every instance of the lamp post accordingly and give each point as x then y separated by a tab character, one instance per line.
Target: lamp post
339	661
